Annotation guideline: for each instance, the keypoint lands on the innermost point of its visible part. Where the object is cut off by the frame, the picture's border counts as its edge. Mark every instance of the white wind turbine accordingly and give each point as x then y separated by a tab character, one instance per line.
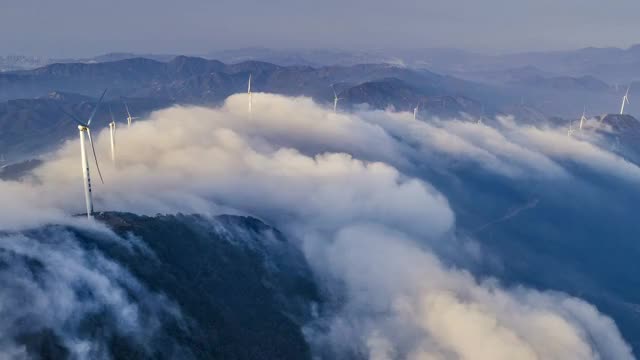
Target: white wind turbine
479	122
250	95
129	117
570	131
112	132
625	100
583	118
335	99
415	111
85	128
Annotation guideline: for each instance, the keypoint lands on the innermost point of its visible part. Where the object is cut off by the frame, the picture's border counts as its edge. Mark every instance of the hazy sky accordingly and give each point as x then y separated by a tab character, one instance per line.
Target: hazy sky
88	27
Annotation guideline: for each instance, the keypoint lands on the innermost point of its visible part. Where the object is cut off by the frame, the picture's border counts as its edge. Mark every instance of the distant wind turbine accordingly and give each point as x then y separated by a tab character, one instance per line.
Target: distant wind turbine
570	131
250	95
625	100
85	128
583	118
335	99
112	132
415	111
129	117
481	115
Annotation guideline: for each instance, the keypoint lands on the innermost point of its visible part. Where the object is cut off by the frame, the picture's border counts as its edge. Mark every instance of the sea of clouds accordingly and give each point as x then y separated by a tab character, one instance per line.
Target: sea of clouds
353	191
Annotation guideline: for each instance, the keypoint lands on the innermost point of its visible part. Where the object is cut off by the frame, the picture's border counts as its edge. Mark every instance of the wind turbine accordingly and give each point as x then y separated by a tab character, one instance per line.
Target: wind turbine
112	131
415	111
129	118
625	100
570	131
335	99
250	95
481	115
85	128
583	118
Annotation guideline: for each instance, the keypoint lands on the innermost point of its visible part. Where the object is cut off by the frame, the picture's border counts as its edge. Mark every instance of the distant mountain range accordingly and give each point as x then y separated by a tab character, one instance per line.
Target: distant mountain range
21	62
189	79
29	127
612	65
31	120
30	99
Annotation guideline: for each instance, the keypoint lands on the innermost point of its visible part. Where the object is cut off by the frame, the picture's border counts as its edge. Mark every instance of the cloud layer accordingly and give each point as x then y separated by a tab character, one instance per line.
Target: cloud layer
51	284
351	190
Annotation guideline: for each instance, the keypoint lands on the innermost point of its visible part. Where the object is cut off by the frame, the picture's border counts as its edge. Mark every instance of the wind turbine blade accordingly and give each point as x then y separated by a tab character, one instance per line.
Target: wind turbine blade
111	113
72	117
94	154
334	91
249	89
95	110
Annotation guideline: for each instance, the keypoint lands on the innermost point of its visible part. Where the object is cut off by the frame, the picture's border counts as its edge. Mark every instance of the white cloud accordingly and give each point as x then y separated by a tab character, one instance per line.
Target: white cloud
51	283
336	182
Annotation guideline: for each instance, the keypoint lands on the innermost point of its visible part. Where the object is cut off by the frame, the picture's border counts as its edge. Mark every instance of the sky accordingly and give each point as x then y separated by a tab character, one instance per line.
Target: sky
71	28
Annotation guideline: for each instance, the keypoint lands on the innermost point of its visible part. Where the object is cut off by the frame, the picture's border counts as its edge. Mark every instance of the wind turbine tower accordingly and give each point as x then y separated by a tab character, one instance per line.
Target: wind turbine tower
85	128
625	100
335	99
481	115
415	111
570	131
112	132
583	119
129	117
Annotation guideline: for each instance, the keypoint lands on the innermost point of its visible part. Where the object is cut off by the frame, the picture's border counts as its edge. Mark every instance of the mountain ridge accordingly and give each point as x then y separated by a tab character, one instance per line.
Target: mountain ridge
259	289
